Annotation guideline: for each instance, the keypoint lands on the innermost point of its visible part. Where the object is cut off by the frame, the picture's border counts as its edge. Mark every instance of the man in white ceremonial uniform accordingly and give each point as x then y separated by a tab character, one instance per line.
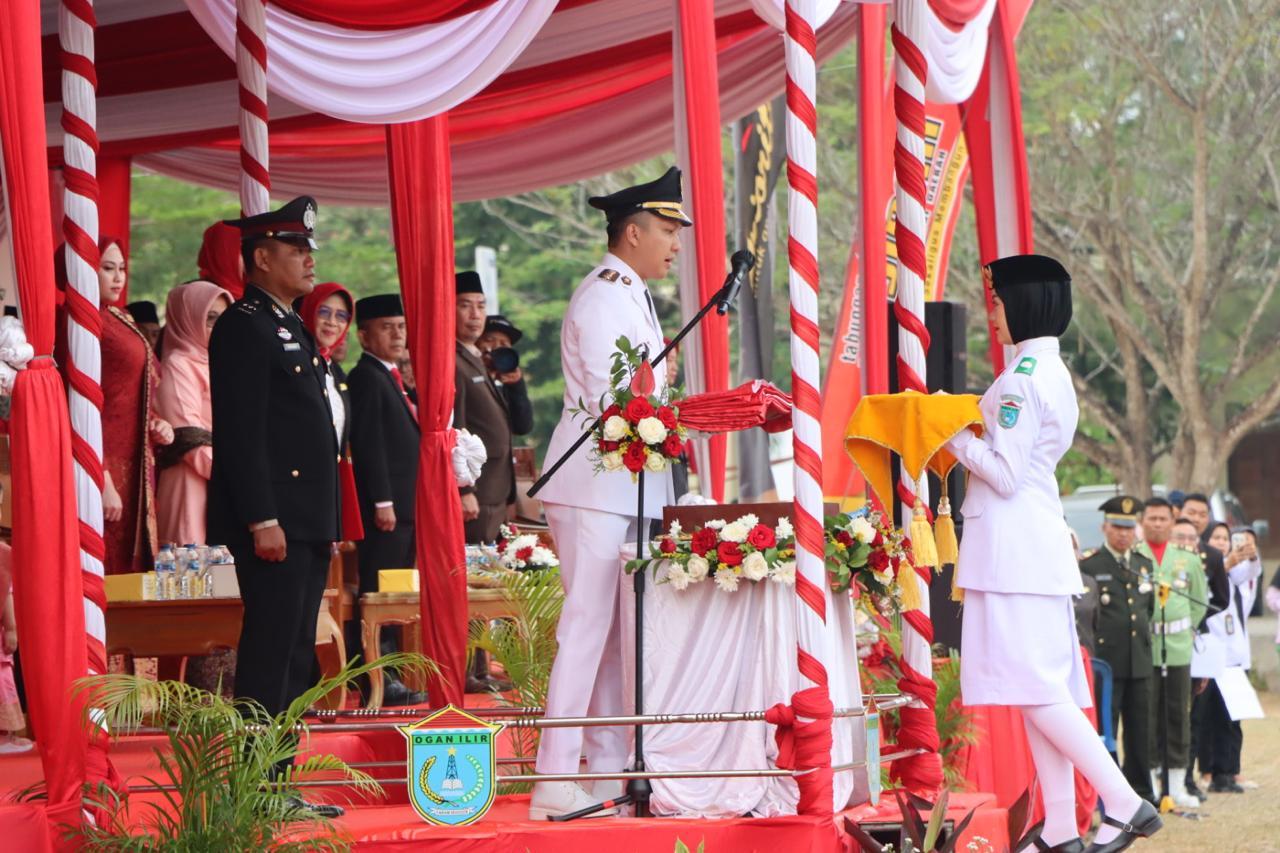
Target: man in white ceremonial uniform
593	514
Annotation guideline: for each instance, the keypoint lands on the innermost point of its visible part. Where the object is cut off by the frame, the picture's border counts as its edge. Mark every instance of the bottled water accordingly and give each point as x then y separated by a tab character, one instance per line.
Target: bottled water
166	567
194	570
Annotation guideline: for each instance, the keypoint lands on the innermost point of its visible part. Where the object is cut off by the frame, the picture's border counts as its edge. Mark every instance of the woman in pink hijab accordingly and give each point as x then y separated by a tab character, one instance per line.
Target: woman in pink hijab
183	400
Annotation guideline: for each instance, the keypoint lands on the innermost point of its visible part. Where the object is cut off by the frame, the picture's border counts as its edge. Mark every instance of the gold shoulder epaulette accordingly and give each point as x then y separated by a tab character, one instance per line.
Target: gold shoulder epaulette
609	275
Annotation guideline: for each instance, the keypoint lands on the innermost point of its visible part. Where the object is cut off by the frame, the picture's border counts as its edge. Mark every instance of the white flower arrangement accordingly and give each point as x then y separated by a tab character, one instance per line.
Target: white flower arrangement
755	567
655	463
650	430
615	428
735	531
727	580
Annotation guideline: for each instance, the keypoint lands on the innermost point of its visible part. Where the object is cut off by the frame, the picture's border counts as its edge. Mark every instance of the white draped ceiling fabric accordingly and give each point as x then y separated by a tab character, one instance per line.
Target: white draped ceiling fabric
384	76
956	54
579	95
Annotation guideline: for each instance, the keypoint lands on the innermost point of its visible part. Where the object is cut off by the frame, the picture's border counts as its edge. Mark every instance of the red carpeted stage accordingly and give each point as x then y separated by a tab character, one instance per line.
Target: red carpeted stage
391	824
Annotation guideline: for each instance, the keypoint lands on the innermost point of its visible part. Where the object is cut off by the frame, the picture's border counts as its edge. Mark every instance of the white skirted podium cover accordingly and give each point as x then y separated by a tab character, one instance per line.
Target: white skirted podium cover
706	650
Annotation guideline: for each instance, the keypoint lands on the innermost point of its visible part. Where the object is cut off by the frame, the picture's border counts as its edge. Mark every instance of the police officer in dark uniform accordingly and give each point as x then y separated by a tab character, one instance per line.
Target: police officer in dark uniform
1124	634
273	493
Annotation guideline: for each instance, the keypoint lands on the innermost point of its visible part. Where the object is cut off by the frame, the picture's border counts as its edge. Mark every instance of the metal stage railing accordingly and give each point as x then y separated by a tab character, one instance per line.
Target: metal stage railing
526	778
884	702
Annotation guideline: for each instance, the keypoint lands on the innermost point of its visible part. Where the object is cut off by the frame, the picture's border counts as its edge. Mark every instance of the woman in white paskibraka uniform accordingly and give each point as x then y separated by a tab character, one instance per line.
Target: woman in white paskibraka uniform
1017	567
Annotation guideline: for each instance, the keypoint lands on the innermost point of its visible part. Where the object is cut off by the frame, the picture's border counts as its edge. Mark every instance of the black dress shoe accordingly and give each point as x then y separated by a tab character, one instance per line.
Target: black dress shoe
1144	823
1075	845
304	810
1194	790
1224	784
396	694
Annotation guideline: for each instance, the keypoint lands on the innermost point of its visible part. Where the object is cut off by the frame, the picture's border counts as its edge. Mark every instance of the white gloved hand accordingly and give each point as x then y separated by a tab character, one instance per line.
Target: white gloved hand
468	458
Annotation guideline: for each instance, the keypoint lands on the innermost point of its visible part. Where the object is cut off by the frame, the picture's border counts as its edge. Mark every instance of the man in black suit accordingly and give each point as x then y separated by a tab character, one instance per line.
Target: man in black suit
1123	634
273	492
384	451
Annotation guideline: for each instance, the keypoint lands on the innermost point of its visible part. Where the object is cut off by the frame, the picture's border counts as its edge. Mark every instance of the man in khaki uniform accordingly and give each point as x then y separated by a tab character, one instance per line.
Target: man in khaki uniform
1174	618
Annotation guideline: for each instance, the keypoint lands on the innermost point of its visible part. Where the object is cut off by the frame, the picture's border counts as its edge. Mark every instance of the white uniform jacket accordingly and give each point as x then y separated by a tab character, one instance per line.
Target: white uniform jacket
1229	626
1015	537
612	301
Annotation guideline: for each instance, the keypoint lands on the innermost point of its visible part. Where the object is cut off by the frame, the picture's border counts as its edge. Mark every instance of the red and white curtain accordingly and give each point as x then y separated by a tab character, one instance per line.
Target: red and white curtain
384	72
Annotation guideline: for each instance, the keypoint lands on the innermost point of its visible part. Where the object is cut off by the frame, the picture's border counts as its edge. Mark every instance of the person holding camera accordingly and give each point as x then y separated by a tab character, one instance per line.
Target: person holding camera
497	351
481	409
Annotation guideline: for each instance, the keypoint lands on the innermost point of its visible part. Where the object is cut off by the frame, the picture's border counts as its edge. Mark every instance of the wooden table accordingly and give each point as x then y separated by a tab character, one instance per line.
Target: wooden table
199	626
403	608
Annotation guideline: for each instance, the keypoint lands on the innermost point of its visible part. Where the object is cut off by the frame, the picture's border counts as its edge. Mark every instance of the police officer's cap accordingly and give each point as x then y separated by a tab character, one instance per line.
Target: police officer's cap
1122	511
499	323
143	312
294	223
661	197
1026	269
467	281
379	306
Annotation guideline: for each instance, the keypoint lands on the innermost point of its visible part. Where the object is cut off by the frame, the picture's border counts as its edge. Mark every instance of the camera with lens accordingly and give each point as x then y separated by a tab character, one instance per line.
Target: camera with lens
503	360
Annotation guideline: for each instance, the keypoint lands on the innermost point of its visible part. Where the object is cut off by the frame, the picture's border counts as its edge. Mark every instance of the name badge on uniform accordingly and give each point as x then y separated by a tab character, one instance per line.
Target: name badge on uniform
292	347
477	379
1101	578
1230	623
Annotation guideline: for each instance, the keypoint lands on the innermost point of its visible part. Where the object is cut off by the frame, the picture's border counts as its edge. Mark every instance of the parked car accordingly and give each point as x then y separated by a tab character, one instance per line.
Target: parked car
1083	516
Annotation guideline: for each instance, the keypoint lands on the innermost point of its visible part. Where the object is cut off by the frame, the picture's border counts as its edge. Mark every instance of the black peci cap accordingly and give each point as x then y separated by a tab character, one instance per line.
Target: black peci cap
661	198
378	306
143	311
467	281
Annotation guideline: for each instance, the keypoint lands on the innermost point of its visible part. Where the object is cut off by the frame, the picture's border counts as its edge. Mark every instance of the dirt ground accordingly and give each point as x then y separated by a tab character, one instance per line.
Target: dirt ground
1236	822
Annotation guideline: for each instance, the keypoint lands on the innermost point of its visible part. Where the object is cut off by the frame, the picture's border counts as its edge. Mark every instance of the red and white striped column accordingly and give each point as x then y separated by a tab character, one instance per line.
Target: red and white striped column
76	24
918	727
811	704
251	73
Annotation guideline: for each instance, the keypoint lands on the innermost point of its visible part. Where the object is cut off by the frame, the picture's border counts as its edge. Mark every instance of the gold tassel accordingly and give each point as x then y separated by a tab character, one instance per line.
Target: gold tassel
944	531
924	550
908	587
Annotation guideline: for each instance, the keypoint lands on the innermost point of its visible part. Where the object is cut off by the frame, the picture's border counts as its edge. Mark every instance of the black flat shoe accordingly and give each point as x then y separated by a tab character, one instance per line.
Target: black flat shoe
395	694
304	810
1075	845
1144	823
1225	785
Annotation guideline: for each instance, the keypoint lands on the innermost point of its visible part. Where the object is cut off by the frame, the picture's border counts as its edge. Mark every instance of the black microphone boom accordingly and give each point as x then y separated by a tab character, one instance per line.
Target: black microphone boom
739	265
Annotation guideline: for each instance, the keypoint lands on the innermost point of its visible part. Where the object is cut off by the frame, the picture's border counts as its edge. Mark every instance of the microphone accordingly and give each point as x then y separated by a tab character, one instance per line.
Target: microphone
740	264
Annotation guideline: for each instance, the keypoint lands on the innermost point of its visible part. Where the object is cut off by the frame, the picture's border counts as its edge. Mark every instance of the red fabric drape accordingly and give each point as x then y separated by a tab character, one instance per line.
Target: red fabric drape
419	169
1002	204
47	587
380	14
706	181
114	195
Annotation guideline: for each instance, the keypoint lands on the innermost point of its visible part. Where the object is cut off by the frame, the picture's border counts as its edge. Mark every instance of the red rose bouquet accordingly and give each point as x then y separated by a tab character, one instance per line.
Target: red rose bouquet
639	430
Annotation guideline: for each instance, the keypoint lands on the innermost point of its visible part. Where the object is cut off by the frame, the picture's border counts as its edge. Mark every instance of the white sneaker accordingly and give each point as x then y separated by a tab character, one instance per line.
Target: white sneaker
1181	796
558	798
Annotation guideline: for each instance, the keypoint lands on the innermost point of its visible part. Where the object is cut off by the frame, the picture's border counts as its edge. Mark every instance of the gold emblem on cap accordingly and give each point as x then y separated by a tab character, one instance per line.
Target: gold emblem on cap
309	218
1127	505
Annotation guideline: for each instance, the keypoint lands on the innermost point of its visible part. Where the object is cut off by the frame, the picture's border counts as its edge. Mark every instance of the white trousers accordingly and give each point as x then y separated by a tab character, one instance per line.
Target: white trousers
586	678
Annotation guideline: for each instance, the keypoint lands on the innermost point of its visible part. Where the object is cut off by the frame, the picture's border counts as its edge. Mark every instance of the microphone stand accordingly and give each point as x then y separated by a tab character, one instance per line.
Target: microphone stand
638	789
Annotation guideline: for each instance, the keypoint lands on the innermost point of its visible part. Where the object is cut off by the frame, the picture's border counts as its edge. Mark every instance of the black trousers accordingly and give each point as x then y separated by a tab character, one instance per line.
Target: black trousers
1220	737
274	663
382	550
1176	710
1131	718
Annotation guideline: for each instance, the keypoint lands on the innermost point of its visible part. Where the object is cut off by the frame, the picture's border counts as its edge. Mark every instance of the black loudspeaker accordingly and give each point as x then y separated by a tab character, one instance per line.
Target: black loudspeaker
946	363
